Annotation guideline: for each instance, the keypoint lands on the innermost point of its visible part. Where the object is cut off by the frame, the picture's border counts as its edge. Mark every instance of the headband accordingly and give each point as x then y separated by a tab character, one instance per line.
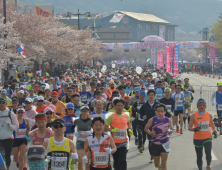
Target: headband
20	109
40	118
167	90
201	101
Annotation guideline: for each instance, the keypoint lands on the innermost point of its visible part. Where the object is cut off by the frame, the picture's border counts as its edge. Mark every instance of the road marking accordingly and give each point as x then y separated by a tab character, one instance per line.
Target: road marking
214	158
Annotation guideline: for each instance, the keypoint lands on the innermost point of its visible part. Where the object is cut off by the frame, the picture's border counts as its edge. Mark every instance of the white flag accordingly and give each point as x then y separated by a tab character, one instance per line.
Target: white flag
117	17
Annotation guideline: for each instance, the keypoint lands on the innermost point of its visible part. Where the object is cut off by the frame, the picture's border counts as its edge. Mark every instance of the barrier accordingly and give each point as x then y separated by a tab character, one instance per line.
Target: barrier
214	75
209	75
219	76
205	74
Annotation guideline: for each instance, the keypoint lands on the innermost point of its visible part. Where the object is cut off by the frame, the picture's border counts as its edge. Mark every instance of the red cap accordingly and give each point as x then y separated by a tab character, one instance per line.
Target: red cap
54	93
36	86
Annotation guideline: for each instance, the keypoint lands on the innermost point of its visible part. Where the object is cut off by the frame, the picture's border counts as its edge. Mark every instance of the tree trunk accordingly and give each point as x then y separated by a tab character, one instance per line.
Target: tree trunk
50	68
36	67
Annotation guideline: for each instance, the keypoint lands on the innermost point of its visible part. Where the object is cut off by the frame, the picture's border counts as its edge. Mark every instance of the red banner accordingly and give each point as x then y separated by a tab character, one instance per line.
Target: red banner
167	58
158	60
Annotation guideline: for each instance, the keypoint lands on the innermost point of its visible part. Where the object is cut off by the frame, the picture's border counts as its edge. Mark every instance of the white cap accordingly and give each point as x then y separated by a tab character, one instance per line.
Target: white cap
137	77
164	74
115	98
140	80
171	74
40	98
21	91
151	87
124	78
108	78
156	80
161	78
98	82
29	100
179	79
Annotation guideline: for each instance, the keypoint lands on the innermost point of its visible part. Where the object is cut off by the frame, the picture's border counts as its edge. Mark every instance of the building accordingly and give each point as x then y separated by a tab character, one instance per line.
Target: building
141	25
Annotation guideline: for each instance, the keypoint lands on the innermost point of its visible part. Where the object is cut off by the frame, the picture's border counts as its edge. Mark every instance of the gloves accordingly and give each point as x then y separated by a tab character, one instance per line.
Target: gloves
48	158
76	134
85	159
115	130
191	101
215	134
130	132
213	103
196	129
88	132
74	156
132	119
109	150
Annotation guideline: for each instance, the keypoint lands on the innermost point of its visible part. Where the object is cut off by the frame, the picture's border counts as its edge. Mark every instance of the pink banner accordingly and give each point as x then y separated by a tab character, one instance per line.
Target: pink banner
158	60
161	59
171	58
176	72
212	55
167	58
153	56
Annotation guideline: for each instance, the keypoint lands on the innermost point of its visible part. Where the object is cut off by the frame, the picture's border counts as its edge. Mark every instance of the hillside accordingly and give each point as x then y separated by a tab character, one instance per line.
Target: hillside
190	15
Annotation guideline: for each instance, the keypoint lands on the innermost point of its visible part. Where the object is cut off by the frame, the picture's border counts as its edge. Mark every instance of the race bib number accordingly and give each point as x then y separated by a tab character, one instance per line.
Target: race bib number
20	133
168	108
204	126
166	147
179	103
82	136
70	136
58	163
120	134
100	158
159	96
219	106
84	98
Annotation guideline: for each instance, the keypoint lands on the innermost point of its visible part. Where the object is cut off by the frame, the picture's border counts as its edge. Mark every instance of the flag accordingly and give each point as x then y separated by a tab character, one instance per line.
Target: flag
158	61
167	58
116	17
22	51
46	73
119	61
125	60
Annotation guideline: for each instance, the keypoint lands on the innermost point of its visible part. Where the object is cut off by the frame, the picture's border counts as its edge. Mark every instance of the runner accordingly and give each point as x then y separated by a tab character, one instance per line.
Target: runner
178	97
39	135
99	110
99	146
84	95
119	123
67	97
202	121
186	81
188	99
20	140
159	91
60	106
60	149
30	113
160	142
140	122
76	101
83	125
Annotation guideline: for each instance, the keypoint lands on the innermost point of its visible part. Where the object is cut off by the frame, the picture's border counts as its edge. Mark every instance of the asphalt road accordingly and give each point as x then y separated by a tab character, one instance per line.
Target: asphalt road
182	155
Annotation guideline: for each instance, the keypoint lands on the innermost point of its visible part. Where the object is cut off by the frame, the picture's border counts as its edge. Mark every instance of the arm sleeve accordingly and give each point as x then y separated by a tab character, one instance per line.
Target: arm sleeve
191	96
133	112
109	120
213	96
173	106
142	111
15	123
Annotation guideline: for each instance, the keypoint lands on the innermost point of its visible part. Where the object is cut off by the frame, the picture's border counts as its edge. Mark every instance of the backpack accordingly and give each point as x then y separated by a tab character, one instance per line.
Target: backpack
9	115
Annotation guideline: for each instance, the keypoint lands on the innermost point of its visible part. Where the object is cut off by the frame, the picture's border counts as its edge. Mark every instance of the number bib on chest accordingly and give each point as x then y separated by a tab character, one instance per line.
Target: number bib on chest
58	163
20	133
166	147
70	136
159	96
168	108
120	134
82	136
100	158
84	98
204	126
219	106
179	103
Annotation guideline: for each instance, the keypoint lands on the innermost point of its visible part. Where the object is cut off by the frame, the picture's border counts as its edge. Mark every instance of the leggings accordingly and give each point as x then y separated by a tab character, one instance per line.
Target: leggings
199	151
141	134
149	145
134	128
7	145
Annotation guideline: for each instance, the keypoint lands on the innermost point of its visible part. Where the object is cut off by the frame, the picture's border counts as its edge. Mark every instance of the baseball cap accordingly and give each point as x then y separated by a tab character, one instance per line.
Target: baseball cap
2	100
171	74
102	86
97	92
14	100
149	79
65	84
179	79
47	109
187	85
112	82
36	86
43	86
52	107
115	92
17	87
40	98
219	84
3	92
70	106
58	121
142	94
115	98
54	93
29	100
151	87
21	91
37	151
128	82
137	89
84	107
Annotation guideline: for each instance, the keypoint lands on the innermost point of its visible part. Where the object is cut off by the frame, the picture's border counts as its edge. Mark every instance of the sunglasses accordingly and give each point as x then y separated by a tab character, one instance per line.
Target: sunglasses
2	102
201	105
48	113
84	110
40	100
27	102
70	91
76	99
70	109
58	126
20	112
178	88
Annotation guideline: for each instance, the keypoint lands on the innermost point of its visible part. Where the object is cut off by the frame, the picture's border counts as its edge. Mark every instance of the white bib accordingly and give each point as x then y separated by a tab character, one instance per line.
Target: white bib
179	103
20	133
84	98
100	158
159	96
204	126
168	108
219	107
166	147
58	163
82	136
120	134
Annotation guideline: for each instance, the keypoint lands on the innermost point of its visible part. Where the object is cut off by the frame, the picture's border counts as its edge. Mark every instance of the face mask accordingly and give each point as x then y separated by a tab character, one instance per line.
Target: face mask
37	165
186	89
127	105
160	116
201	113
112	87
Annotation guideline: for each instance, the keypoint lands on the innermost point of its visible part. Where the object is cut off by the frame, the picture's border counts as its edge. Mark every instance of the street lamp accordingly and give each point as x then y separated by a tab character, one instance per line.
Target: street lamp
69	14
205	31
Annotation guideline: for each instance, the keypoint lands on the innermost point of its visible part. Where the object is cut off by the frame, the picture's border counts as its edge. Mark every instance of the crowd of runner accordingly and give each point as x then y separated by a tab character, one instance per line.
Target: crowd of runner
84	117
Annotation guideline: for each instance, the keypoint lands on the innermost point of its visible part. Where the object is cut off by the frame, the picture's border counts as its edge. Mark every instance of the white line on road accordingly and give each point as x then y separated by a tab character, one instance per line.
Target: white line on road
214	158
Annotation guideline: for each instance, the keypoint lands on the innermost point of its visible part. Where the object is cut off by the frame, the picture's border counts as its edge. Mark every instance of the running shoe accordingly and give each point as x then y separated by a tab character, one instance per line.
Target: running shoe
177	129
181	132
159	168
151	160
208	168
185	126
17	164
141	149
25	167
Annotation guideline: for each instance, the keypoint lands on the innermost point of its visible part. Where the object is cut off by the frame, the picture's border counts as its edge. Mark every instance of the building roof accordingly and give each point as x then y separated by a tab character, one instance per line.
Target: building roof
145	17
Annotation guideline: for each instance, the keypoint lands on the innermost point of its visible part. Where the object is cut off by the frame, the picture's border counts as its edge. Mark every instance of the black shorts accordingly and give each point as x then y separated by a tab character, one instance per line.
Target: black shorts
18	143
177	112
157	149
108	168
